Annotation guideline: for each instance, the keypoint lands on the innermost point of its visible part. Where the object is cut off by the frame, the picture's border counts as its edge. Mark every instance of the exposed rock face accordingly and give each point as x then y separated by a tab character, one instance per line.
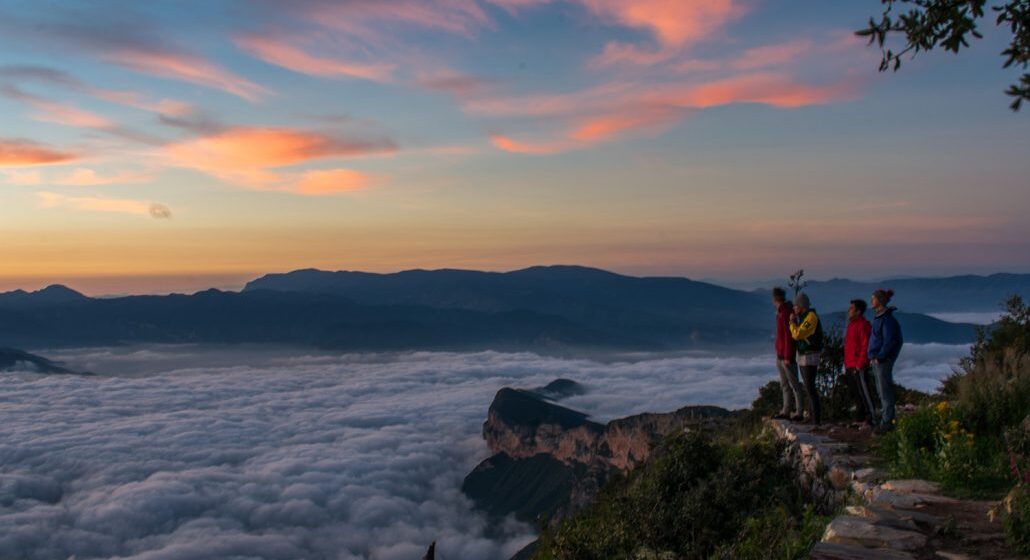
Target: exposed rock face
551	460
522	425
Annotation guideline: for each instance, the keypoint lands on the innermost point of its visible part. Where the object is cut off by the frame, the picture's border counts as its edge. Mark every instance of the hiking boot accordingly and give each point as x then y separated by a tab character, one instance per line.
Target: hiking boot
781	416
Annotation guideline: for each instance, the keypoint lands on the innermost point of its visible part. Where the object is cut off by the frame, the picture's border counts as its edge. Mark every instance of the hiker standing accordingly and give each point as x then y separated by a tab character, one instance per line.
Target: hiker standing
856	360
807	332
785	361
885	343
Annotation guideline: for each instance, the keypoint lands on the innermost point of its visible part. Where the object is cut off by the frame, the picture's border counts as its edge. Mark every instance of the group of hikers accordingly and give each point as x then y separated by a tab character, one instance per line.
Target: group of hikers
867	346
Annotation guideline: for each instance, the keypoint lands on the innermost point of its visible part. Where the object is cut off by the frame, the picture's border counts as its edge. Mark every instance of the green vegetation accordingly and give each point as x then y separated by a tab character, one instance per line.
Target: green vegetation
701	497
950	25
975	437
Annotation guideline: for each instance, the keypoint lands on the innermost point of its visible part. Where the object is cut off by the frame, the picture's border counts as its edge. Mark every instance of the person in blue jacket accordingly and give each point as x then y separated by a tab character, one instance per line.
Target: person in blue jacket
885	343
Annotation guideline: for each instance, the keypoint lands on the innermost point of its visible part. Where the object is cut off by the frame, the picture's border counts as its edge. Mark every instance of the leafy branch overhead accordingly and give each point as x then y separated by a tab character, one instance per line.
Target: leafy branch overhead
949	24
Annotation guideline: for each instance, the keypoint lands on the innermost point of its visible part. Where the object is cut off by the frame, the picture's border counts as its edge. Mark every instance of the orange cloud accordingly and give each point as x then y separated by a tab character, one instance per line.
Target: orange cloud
605	127
188	68
514	146
280	53
248	156
22	153
331	181
103	204
766	88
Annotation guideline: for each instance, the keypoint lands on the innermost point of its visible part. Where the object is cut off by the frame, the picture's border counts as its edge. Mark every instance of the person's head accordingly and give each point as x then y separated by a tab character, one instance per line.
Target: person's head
779	295
802	303
857	309
881	298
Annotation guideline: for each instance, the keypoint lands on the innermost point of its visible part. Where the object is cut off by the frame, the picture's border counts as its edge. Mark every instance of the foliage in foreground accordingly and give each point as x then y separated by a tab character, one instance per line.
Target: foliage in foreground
699	498
926	25
976	439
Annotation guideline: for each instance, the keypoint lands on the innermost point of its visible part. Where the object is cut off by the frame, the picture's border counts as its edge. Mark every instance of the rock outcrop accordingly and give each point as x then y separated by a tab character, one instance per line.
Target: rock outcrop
521	425
21	361
551	460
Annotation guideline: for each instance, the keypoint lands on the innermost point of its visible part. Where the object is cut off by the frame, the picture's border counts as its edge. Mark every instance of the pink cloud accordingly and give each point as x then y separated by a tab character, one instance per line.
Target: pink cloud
777	90
602	114
187	68
280	52
61	113
770	55
508	144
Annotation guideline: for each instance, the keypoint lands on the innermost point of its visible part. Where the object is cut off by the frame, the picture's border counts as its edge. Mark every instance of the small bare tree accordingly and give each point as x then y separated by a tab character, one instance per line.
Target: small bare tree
797	281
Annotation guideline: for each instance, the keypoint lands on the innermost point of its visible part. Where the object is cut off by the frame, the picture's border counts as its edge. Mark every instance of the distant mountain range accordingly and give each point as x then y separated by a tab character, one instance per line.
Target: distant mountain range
539	308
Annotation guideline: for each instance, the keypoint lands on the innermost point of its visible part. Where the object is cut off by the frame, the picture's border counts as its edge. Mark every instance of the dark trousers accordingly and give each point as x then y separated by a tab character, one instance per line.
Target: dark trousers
858	386
812	402
883	373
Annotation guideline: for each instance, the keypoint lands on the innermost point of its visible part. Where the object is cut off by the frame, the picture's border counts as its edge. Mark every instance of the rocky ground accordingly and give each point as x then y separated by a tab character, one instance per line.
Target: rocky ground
886	519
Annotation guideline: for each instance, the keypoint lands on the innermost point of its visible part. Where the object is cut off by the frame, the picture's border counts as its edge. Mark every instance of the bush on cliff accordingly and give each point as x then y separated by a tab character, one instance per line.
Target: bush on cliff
697	498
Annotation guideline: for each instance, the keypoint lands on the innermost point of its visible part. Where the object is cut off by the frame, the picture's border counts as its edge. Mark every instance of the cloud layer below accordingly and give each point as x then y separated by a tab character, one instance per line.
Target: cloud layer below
260	454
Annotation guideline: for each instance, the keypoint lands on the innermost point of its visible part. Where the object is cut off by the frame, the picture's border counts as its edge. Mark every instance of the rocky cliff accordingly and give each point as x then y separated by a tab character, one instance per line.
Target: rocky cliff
551	460
522	424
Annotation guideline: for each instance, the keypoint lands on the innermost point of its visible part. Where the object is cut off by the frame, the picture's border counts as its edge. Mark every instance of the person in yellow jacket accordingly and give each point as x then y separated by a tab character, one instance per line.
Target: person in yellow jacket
807	332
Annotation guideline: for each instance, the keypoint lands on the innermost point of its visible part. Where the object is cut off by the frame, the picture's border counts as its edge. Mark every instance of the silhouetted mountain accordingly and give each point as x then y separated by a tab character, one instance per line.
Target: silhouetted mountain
924	295
47	296
19	360
671	311
289	318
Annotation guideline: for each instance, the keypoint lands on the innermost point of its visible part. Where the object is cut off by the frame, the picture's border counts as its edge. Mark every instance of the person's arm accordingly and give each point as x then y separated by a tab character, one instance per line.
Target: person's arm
806	328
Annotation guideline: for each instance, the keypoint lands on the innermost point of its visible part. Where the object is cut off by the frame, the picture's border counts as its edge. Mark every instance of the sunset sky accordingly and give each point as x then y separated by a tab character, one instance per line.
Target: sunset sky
177	145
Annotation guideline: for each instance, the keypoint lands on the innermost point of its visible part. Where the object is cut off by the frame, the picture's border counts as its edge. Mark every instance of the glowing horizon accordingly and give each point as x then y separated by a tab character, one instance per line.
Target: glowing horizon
163	148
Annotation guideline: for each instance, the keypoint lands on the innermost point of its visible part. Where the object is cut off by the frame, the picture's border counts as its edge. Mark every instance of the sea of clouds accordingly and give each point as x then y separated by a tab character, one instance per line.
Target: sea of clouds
192	452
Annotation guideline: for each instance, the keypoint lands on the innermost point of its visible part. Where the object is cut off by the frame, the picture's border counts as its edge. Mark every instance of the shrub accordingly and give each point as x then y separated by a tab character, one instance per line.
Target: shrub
1016	518
909	449
696	495
775	534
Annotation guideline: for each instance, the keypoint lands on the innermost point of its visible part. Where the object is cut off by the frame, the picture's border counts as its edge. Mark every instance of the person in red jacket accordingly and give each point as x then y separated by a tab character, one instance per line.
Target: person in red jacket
786	364
856	360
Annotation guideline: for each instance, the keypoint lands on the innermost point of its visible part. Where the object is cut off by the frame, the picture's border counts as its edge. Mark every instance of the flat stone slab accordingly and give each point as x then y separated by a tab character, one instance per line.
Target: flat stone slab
911	486
852	530
869	474
899	518
895	500
952	555
834	551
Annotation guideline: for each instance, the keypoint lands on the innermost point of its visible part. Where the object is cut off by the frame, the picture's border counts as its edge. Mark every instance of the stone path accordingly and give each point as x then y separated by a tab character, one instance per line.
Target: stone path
884	519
